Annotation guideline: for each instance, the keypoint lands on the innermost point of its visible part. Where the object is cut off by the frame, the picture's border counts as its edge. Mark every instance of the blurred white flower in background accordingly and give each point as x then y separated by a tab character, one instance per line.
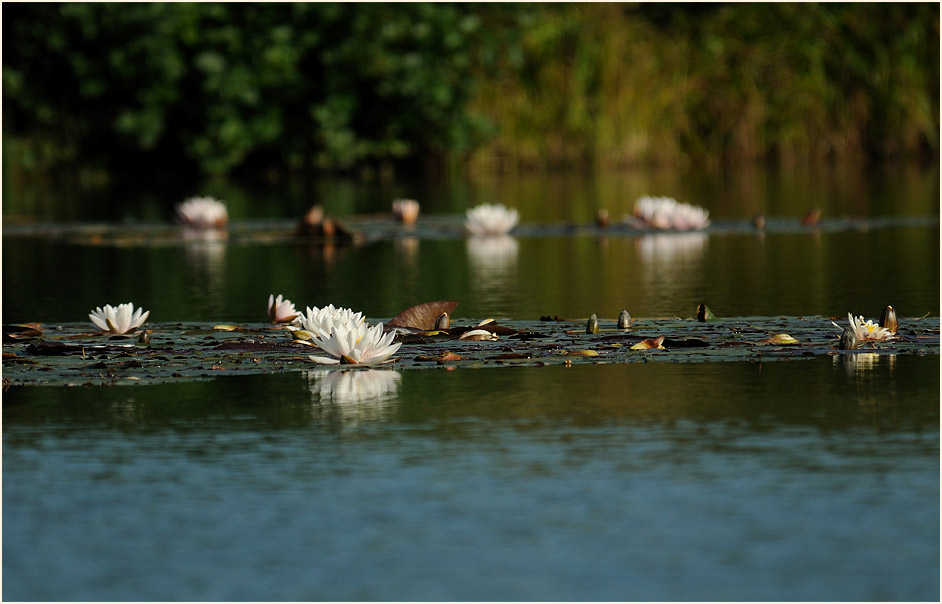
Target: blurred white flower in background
491	219
203	213
667	213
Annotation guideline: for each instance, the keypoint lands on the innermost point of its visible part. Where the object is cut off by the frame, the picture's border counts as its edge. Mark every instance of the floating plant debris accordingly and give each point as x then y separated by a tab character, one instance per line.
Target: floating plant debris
69	354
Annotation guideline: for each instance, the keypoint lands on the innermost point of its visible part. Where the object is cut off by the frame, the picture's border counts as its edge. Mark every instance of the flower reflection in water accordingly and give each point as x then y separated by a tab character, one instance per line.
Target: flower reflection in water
205	252
863	363
493	262
670	248
354	394
671	261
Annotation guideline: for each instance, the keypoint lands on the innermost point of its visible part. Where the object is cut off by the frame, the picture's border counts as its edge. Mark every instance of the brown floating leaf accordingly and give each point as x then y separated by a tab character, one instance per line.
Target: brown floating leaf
29	331
657	342
449	356
423	316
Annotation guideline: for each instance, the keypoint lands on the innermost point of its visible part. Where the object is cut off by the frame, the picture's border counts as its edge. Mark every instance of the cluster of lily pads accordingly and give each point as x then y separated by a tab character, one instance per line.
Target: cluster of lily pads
347	339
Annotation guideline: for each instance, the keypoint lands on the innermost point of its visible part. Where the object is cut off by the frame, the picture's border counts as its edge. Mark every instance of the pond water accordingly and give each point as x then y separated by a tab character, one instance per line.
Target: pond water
801	479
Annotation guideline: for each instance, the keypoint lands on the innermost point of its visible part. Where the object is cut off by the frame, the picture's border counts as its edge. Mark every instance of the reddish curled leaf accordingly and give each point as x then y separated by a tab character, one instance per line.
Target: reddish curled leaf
657	342
423	316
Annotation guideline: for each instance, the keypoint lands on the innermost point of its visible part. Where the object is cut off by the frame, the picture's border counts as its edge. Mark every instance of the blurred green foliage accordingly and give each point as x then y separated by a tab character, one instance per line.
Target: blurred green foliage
285	87
223	85
620	84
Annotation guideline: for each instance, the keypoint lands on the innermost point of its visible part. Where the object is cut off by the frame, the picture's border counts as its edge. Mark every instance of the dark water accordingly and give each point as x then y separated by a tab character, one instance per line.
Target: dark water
519	278
797	272
793	480
806	480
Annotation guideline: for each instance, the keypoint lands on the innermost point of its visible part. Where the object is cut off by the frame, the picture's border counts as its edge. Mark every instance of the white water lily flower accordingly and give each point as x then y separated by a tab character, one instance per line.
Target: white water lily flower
866	330
491	219
281	310
667	213
120	319
203	213
321	321
356	345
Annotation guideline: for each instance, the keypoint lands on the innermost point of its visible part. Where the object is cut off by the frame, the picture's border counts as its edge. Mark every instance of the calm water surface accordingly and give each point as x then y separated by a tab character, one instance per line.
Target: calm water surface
805	480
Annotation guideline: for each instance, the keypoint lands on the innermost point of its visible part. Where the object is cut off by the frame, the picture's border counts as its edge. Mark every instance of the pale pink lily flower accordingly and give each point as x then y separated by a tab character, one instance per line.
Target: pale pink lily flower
281	310
118	319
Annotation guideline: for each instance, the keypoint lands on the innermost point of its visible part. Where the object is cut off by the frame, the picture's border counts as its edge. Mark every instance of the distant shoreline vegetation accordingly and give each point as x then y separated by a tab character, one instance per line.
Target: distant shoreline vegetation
293	88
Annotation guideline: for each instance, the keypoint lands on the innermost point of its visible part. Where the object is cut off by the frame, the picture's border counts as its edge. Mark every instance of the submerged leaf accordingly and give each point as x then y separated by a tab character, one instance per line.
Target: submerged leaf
423	316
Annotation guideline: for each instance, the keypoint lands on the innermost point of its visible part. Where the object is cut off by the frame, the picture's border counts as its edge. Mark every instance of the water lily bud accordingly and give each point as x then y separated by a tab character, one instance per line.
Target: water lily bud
593	325
848	339
442	322
812	217
602	218
888	320
704	313
624	320
405	211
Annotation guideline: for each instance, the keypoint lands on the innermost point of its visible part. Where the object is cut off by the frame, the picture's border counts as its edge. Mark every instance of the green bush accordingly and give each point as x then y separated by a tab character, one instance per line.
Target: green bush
222	85
288	87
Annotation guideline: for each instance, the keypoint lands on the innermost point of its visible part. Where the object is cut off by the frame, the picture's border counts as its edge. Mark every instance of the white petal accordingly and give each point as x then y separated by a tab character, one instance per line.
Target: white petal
324	360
